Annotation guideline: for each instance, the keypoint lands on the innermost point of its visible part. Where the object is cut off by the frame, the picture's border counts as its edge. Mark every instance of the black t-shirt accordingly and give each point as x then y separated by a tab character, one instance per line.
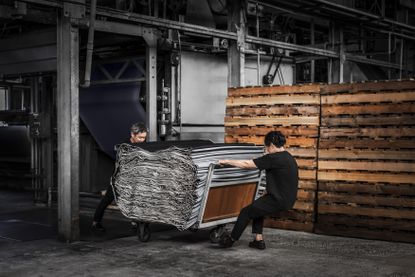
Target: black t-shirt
281	175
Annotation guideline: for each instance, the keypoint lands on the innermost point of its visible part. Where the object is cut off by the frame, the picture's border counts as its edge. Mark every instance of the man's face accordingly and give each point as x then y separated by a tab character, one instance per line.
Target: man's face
138	137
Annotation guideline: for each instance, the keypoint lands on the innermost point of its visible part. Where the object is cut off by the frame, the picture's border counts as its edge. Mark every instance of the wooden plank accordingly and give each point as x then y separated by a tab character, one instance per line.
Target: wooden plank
367	143
337	230
367	166
366	154
368	86
292	215
258	140
391	224
371	98
272	121
303	206
307	174
375	189
273	100
273	110
306	131
302	152
366	211
289	225
366	177
307	184
306	163
403	120
306	195
384	108
374	132
270	90
330	198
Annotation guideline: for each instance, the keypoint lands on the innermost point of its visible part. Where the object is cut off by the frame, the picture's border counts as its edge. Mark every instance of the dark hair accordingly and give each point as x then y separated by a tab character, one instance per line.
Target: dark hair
274	137
138	127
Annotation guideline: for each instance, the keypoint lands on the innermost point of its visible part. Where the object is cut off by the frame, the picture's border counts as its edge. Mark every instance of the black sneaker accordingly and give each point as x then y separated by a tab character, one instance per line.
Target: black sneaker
258	244
226	241
97	227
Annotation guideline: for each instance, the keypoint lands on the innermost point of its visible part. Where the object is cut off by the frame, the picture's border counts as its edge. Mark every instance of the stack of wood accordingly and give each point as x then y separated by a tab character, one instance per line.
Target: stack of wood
366	169
295	111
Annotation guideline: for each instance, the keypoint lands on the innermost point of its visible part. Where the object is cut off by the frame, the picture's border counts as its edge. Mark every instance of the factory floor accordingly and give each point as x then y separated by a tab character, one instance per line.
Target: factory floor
28	247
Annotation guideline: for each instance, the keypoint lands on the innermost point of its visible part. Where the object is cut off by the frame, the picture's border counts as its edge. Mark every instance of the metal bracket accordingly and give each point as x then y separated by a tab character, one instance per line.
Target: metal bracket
74	10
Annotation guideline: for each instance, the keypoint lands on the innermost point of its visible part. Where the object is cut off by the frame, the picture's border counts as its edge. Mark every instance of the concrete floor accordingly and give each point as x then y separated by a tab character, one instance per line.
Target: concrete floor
174	253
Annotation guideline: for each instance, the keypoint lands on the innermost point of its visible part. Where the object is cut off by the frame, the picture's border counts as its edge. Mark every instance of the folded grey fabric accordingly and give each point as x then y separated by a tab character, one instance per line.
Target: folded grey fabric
168	186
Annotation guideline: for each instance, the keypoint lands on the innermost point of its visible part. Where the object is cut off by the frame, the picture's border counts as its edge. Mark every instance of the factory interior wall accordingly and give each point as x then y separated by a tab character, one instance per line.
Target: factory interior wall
251	78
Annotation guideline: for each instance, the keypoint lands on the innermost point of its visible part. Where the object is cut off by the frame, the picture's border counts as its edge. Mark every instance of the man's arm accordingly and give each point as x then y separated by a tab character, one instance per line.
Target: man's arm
247	164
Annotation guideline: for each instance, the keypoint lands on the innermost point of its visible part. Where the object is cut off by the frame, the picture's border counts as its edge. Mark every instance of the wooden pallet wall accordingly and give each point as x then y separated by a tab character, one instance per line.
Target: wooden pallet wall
366	161
295	110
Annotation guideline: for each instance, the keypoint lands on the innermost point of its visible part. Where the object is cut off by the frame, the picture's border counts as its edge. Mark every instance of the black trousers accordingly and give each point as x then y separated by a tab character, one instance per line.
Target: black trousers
103	204
263	206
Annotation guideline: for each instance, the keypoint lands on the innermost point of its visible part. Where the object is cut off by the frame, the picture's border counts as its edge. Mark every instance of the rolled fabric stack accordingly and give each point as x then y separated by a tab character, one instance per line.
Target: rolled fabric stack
168	185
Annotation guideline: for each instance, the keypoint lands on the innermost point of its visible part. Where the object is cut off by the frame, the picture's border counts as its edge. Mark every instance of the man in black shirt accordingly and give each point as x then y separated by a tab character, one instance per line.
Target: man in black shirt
281	186
138	134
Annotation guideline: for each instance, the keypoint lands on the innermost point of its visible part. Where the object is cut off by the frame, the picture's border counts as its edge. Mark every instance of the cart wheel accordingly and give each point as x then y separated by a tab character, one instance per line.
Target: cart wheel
143	231
216	233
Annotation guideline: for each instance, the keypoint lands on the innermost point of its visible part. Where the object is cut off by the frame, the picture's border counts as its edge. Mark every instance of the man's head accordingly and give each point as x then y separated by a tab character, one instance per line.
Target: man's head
274	139
138	132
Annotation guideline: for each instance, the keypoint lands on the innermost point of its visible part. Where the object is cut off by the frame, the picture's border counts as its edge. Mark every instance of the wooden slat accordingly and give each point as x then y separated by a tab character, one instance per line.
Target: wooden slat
272	110
367	166
306	195
330	198
307	131
384	108
307	174
306	163
272	121
404	120
270	90
304	206
258	140
366	211
365	188
366	177
366	154
338	230
289	225
368	98
368	86
292	215
307	184
302	152
367	143
397	132
272	100
392	224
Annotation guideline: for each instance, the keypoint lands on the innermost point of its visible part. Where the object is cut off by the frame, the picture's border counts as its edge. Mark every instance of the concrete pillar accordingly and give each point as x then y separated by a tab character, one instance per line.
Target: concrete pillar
68	129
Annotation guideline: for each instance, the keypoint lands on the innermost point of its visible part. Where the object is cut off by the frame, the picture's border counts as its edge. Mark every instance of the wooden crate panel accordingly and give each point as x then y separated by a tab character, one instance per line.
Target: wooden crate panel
272	121
368	166
354	210
306	131
394	97
396	120
367	109
366	177
369	86
364	154
289	225
387	201
258	140
272	110
374	132
306	195
368	188
273	100
293	215
379	223
368	143
271	90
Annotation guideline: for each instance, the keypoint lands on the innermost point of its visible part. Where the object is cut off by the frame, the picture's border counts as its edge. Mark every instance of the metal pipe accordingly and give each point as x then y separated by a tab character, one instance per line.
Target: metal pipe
90	45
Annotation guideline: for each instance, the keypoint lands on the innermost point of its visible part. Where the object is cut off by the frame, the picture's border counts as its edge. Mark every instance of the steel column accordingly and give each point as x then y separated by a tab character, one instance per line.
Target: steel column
151	84
68	129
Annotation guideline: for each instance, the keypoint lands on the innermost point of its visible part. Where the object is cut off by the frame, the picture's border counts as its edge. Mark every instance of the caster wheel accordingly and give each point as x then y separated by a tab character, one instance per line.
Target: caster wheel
216	233
143	232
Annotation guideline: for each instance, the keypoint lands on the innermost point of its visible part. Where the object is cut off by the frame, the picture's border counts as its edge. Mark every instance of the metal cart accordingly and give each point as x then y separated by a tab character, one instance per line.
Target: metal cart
221	204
